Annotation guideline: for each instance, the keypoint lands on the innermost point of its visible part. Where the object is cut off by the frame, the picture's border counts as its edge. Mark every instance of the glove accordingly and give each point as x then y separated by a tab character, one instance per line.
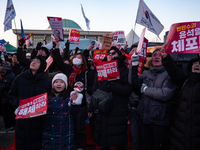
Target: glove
39	45
143	88
67	44
54	44
24	46
76	50
135	59
21	42
78	101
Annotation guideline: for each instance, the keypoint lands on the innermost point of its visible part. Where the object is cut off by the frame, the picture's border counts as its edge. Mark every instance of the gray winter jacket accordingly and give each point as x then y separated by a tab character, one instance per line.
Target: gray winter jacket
155	105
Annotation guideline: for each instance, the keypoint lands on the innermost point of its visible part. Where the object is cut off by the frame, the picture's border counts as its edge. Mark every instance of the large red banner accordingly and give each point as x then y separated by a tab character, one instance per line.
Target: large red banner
99	55
32	107
108	70
74	36
183	38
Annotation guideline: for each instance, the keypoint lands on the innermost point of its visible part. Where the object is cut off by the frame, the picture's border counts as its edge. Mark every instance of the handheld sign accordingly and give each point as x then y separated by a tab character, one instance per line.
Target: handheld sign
107	40
57	27
99	55
74	36
49	62
32	107
108	70
119	38
140	44
183	38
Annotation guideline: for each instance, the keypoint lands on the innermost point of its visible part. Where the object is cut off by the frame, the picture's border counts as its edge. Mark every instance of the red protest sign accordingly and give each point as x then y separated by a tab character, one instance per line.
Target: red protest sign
32	107
2	48
49	62
99	55
128	60
140	44
183	38
140	66
108	70
143	54
74	36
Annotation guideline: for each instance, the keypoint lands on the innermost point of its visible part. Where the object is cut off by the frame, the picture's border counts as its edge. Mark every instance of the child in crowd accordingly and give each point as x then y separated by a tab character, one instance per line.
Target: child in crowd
58	130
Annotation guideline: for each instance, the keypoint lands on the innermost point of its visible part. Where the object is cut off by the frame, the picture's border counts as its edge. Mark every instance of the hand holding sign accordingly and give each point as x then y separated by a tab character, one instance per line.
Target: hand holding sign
163	52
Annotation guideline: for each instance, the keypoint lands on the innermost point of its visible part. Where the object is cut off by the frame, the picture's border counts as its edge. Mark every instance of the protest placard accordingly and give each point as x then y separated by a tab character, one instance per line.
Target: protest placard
57	27
99	55
119	38
74	36
49	61
143	54
183	38
107	40
108	70
32	107
140	44
2	48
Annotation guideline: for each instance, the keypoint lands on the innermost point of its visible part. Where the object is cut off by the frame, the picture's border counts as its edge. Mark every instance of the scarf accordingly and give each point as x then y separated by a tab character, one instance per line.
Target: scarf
72	77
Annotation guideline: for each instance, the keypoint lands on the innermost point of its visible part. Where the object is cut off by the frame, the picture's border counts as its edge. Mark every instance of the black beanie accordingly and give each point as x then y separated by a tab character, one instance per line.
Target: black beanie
46	50
116	50
43	64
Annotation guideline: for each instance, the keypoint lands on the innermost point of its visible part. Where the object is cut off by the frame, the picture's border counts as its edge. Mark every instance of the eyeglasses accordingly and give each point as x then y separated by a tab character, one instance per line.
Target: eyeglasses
113	53
35	61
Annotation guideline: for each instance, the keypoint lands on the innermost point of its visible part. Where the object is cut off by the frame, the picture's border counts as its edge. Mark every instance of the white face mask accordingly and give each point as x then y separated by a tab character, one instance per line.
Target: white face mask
76	61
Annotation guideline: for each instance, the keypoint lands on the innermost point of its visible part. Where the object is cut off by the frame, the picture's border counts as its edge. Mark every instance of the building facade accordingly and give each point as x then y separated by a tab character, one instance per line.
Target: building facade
45	36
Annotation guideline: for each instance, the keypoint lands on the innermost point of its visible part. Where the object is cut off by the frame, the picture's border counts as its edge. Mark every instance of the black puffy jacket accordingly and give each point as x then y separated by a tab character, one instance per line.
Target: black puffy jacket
111	128
186	126
28	132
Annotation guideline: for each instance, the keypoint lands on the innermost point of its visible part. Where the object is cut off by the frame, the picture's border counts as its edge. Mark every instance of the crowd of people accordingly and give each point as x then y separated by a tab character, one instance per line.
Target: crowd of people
146	99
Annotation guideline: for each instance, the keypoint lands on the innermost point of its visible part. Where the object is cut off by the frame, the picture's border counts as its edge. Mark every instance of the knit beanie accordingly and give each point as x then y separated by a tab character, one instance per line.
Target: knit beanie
43	64
60	76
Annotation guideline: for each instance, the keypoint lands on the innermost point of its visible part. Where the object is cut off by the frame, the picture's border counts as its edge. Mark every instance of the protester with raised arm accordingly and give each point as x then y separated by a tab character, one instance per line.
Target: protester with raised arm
185	127
156	90
31	82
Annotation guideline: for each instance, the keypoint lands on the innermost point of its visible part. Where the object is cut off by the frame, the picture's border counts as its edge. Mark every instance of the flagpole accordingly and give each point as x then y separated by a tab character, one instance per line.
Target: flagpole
16	32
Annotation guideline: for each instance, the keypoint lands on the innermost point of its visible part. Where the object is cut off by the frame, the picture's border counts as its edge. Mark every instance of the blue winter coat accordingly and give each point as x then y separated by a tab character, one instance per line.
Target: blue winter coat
58	131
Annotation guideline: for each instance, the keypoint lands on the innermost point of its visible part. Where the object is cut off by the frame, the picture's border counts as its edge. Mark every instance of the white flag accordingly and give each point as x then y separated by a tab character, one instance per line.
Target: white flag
146	18
10	14
86	19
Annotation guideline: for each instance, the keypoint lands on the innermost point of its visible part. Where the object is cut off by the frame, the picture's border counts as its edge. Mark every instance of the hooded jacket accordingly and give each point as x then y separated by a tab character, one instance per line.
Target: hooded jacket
28	132
155	104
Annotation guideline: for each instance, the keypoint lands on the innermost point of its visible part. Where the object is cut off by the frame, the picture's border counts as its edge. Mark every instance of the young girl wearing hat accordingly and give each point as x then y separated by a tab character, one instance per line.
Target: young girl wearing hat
58	132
